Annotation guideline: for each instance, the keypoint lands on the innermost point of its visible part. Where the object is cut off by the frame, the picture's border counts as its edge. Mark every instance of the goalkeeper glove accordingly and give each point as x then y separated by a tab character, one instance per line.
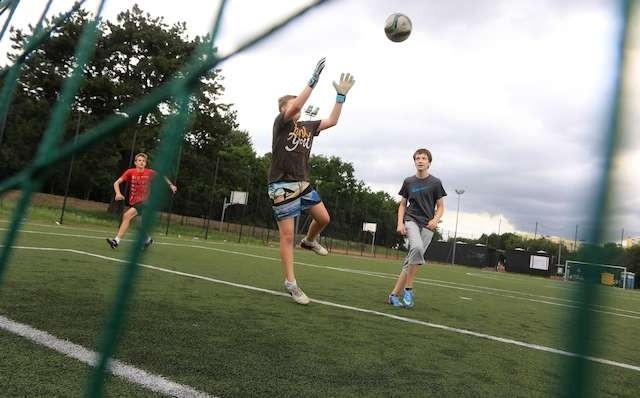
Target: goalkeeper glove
316	72
342	88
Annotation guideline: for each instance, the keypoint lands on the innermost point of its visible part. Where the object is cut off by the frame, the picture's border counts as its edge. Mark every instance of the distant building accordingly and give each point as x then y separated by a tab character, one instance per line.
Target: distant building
626	243
568	243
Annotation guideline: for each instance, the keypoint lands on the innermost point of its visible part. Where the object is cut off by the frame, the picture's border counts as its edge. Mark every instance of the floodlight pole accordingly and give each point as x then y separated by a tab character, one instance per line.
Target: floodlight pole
66	189
455	233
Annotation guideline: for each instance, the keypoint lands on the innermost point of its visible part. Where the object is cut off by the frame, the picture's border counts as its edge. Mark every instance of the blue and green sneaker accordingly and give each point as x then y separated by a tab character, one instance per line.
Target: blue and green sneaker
407	299
394	301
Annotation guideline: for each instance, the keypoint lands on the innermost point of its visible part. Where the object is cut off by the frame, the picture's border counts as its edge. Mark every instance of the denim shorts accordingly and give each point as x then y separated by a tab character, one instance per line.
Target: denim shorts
299	196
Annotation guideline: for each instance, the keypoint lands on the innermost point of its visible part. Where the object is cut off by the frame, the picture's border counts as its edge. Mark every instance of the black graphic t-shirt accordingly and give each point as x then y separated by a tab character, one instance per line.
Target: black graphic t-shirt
421	195
290	149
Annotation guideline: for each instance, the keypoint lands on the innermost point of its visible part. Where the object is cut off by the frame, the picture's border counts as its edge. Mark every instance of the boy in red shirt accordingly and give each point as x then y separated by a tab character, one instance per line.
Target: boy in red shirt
139	179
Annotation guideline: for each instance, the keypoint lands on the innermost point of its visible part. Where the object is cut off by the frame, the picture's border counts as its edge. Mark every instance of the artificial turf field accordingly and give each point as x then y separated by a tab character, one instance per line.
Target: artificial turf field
211	316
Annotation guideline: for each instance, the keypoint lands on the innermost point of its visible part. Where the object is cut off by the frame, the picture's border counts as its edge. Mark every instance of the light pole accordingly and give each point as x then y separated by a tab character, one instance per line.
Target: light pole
66	189
455	232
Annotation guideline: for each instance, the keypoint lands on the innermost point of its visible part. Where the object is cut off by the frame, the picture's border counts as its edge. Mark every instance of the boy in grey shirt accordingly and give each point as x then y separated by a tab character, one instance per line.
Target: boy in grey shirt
419	212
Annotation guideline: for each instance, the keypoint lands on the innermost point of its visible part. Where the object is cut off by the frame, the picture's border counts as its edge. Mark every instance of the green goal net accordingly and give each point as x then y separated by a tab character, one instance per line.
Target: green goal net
53	151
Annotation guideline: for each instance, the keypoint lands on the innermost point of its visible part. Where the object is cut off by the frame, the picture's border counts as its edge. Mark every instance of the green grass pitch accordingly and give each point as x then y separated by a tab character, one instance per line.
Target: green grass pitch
212	315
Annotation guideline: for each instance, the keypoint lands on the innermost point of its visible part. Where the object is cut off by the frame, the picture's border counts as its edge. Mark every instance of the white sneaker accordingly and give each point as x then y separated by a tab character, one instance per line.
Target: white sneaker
313	245
297	294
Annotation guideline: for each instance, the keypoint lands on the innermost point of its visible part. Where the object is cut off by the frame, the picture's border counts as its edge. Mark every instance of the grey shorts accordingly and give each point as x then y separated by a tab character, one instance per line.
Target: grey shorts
419	240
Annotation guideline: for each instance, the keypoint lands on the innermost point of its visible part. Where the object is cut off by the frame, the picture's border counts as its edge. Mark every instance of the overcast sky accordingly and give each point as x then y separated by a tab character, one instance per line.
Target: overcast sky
511	96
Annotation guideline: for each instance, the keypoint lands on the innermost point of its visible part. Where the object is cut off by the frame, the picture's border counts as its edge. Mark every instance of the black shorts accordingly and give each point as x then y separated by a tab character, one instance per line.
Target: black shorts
140	206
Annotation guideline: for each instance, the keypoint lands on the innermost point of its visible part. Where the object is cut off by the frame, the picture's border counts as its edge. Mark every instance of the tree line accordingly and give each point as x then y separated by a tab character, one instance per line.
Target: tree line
135	54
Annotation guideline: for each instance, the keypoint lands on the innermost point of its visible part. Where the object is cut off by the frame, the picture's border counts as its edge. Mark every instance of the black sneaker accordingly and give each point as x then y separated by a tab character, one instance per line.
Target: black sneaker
112	243
148	243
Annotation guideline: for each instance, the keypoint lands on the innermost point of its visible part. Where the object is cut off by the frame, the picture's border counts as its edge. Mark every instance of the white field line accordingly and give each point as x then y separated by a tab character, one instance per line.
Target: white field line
491	291
523	278
361	310
520	278
484	276
475	290
129	373
437	283
431	282
106	234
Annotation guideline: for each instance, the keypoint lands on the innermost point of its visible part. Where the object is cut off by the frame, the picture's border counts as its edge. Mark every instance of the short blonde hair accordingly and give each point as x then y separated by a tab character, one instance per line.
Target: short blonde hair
283	100
142	154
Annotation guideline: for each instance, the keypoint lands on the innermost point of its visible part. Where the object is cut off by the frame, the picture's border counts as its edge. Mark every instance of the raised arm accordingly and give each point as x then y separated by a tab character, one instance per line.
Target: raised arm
342	88
295	106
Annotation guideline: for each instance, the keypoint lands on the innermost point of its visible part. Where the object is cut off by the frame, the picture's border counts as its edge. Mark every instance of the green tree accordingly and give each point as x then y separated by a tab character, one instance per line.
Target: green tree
135	54
632	259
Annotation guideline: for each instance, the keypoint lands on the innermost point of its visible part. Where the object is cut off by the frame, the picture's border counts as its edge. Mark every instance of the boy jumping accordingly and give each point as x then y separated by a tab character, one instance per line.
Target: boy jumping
289	187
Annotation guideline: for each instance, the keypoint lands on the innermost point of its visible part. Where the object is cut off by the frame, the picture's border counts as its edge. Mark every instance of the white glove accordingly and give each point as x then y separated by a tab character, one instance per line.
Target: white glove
342	88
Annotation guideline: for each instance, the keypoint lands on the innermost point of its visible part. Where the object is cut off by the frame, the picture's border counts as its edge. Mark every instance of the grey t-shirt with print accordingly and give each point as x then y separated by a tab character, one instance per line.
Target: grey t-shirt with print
421	195
290	149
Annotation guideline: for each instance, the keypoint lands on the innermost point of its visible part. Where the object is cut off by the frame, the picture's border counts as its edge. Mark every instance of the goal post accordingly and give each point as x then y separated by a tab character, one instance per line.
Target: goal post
604	274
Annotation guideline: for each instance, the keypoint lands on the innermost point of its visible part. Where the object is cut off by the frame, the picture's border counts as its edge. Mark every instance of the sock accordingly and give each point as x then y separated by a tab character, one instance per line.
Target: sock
393	294
290	285
408	289
117	240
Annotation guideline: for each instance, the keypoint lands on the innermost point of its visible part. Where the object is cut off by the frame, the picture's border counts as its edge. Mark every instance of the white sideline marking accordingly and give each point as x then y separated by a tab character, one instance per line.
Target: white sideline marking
424	281
431	282
362	310
482	276
130	373
489	291
466	298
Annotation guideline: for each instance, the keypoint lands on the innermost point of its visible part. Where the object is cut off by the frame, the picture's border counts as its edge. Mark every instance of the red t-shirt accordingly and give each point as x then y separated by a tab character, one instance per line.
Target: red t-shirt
139	184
